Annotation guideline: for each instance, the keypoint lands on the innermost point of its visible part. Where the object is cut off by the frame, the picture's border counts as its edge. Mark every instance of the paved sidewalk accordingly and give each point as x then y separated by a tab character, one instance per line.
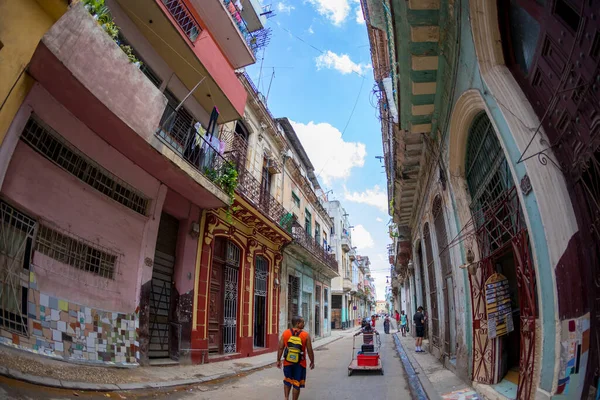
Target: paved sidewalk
436	381
29	367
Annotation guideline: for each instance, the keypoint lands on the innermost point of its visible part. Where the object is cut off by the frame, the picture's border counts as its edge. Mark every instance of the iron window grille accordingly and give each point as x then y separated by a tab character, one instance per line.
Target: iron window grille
16	235
184	18
75	252
46	141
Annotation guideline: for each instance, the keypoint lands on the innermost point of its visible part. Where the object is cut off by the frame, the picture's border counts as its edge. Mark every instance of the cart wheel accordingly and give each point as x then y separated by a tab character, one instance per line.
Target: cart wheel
349	372
381	371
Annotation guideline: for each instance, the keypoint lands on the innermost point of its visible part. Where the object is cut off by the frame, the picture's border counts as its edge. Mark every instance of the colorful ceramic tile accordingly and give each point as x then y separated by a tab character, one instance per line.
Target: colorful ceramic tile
56	335
61	326
58	346
44	300
54	315
63	305
53	303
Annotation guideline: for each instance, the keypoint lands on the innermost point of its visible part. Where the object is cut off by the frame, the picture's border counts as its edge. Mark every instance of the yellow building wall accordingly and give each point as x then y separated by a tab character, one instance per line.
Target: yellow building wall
22	25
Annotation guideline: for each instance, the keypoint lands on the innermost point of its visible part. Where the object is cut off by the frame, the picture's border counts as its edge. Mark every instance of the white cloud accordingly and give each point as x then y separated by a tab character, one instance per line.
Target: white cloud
361	238
360	18
342	63
310	30
319	141
285	8
373	197
378	219
335	10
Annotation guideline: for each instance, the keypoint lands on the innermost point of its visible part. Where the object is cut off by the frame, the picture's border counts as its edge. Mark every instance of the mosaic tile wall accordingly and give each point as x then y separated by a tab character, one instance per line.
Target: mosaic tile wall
70	331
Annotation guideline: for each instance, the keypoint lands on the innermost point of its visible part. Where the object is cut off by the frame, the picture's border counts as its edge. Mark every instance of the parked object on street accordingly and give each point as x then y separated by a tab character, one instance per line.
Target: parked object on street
367	358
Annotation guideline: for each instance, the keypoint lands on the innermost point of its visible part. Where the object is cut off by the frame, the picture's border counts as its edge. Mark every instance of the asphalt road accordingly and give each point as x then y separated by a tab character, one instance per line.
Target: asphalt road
329	380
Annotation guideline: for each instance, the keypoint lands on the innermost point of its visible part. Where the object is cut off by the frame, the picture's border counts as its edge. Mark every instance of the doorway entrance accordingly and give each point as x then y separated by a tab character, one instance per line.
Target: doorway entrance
261	273
503	244
317	310
223	298
293	298
161	286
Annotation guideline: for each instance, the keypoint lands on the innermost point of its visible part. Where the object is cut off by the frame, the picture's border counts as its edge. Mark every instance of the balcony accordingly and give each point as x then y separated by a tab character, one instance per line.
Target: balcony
347	284
175	32
391	253
304	247
85	70
352	254
239	32
345	241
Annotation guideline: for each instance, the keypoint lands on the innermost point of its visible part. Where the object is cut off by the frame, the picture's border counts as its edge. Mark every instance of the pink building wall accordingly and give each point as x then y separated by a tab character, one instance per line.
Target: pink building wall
187	245
44	190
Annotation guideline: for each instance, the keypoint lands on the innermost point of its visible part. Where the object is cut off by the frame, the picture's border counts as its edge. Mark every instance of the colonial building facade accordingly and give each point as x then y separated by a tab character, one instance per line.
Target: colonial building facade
109	165
492	163
341	243
309	265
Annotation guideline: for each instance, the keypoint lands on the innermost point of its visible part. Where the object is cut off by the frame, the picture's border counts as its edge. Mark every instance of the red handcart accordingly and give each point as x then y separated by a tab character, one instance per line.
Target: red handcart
367	359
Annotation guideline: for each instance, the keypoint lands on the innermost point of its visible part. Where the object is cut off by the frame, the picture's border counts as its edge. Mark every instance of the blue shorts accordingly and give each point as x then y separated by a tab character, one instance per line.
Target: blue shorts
294	375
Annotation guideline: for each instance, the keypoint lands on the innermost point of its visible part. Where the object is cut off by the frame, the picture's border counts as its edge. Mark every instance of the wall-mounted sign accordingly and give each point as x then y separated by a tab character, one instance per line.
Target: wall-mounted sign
497	303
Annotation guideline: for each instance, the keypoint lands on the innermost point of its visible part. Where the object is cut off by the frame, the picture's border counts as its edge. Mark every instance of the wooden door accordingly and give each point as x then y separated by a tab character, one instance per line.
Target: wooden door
215	300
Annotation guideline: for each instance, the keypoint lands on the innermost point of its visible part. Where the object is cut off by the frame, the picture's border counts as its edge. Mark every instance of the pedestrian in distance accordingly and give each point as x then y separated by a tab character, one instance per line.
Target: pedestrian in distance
403	323
397	318
294	345
386	324
419	320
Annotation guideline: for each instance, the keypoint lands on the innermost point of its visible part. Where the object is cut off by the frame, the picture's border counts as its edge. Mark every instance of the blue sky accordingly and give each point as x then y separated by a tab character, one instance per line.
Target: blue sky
320	51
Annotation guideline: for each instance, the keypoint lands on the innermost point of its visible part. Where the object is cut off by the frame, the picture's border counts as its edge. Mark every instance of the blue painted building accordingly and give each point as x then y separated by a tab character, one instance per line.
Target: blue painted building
491	133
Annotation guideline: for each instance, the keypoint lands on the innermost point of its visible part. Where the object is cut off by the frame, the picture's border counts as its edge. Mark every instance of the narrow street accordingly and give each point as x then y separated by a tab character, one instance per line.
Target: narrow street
329	380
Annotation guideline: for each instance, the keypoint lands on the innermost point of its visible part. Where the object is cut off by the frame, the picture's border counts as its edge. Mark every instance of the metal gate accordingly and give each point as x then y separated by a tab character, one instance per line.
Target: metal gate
161	285
318	310
230	302
433	303
261	273
16	237
498	227
293	297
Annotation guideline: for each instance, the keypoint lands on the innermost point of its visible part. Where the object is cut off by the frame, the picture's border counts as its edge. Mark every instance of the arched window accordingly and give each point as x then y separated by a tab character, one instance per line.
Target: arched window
433	305
486	168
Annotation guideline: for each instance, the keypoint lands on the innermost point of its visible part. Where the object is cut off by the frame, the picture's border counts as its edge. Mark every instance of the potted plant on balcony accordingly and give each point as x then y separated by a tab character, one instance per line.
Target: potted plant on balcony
101	14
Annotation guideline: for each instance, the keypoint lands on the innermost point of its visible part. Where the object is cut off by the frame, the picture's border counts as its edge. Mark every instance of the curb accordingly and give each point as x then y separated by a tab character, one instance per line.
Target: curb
420	389
110	387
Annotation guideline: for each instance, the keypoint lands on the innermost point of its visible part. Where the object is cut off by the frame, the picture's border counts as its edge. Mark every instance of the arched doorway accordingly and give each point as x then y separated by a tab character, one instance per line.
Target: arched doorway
447	278
223	298
433	302
503	245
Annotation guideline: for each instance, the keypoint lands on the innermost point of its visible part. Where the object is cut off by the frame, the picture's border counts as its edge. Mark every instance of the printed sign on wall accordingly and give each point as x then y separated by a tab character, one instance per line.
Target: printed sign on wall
497	302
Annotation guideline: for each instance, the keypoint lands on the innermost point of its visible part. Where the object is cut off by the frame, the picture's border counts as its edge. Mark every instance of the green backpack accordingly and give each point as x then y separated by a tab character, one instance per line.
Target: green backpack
293	349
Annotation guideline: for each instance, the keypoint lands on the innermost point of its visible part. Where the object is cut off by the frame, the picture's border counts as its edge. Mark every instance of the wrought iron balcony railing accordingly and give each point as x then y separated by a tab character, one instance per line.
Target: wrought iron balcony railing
184	18
179	130
255	40
316	249
250	187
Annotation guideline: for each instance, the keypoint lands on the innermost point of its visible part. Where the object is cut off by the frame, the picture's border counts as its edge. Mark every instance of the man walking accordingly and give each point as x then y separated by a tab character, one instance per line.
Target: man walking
404	323
419	320
294	345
